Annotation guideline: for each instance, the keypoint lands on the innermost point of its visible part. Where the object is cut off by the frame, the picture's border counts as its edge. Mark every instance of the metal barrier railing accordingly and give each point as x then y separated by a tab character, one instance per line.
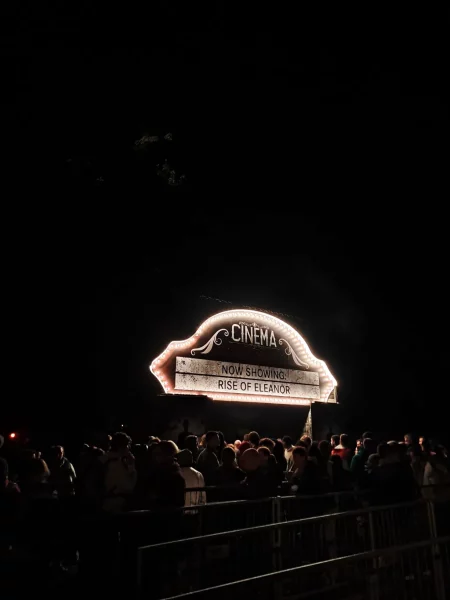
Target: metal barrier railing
201	495
202	561
420	571
138	528
115	538
238	514
234	514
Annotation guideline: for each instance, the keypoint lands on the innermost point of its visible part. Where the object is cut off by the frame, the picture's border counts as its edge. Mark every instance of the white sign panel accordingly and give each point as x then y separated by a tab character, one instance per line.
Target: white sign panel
214	368
236	385
193	374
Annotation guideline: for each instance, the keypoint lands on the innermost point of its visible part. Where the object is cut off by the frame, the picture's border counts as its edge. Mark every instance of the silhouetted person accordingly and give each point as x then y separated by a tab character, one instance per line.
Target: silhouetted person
373	462
166	484
393	481
41	524
253	438
306	440
278	452
305	477
229	473
335	440
288	448
9	505
341	477
90	483
408	439
424	444
325	465
324	469
358	463
418	462
119	474
34	479
325	449
221	445
256	484
268	443
243	446
382	450
62	474
343	450
191	444
437	473
192	478
268	466
207	461
82	461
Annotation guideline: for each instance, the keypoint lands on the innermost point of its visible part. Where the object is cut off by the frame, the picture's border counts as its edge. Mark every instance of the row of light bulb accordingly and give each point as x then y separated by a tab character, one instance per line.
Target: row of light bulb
300	346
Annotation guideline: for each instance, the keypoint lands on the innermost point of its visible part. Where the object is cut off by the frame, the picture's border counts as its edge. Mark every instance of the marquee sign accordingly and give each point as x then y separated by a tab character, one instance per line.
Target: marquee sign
245	356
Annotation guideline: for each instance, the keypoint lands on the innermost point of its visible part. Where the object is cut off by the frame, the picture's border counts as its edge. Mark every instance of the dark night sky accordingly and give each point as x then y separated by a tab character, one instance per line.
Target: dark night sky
313	146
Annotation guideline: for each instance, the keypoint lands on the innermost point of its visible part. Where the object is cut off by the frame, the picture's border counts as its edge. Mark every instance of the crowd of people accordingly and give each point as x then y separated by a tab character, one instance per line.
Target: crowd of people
164	475
52	510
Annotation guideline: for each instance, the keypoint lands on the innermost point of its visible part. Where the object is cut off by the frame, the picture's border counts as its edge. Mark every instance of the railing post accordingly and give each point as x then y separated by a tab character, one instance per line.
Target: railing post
118	554
201	519
138	573
436	554
337	506
374	579
276	533
276	546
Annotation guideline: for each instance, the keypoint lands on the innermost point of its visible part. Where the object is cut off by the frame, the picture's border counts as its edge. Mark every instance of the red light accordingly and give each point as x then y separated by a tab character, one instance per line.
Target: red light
12	435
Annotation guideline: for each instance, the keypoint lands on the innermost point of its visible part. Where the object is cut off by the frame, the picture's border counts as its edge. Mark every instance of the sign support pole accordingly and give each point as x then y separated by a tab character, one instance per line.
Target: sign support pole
307	429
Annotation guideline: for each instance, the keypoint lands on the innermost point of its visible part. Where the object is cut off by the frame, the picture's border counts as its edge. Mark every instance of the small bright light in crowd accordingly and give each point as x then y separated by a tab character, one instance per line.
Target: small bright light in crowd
12	435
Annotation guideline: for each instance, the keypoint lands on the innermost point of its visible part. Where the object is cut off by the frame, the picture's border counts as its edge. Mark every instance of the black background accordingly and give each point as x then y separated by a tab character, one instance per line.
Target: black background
313	140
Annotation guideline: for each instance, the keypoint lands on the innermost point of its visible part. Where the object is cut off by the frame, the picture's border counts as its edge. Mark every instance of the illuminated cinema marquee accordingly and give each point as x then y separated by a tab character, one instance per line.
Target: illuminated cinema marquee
245	356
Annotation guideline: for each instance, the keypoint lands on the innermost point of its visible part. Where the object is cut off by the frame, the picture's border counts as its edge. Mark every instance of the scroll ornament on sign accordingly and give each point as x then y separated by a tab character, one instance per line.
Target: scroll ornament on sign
206	349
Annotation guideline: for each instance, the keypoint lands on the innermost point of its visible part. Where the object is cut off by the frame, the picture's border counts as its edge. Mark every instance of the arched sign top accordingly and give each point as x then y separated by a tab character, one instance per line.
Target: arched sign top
245	356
